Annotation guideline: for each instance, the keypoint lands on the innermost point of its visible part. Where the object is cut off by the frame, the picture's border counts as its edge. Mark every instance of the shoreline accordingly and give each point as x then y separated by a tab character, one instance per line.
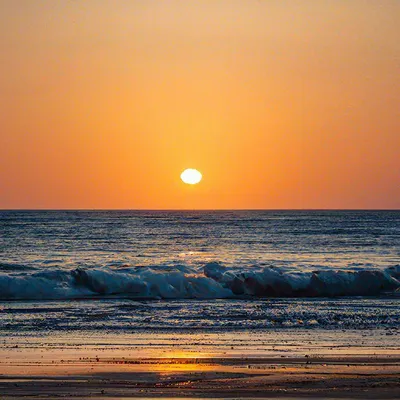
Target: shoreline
292	363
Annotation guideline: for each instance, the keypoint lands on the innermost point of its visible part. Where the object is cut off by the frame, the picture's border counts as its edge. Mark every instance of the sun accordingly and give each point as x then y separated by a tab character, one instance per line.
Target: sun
191	176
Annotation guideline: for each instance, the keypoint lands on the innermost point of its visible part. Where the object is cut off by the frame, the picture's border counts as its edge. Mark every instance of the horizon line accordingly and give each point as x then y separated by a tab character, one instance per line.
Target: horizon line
199	209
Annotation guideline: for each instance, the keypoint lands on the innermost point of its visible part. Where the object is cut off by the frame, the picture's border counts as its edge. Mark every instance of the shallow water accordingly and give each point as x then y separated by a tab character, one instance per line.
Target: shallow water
126	316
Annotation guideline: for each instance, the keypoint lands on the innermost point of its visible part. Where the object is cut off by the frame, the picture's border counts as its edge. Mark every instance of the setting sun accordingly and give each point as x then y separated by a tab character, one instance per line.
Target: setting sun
191	176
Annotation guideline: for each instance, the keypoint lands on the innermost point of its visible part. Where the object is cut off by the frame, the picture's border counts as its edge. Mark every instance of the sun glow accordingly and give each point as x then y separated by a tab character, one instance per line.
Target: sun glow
191	176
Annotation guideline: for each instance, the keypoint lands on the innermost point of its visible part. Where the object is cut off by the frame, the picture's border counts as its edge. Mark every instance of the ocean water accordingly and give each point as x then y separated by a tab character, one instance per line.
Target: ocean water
126	271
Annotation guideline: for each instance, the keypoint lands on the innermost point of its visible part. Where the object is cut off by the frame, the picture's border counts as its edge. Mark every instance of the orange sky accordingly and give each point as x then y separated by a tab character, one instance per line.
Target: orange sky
280	104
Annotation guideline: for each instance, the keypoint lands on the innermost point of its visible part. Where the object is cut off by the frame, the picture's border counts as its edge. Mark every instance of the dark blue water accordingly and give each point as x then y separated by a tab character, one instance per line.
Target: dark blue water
65	239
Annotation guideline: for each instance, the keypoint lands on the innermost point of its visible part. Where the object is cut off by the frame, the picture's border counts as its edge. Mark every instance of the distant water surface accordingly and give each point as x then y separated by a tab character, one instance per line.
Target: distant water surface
311	239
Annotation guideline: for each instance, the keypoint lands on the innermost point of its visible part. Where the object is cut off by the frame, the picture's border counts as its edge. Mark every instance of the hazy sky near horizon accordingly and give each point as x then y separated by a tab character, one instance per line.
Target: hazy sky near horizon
280	104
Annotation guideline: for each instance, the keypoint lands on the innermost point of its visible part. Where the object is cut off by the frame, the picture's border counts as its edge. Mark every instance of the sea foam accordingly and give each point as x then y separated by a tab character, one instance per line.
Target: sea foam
213	281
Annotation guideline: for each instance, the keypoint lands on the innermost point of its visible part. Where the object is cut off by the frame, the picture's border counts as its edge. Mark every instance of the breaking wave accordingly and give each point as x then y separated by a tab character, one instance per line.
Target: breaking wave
212	281
180	282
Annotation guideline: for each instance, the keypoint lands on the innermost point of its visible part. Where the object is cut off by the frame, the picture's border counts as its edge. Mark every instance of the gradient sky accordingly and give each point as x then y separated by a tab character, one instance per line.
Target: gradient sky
280	104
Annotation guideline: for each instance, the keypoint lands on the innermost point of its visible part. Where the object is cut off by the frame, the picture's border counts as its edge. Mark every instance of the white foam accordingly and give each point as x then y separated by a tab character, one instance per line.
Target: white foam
185	282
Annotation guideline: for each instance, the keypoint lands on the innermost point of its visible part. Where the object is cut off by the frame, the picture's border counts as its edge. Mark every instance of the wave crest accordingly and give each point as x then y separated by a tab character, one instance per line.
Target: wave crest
183	282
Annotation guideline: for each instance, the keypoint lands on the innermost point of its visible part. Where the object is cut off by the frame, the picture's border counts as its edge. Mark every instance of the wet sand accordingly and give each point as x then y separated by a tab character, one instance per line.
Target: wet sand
330	377
280	364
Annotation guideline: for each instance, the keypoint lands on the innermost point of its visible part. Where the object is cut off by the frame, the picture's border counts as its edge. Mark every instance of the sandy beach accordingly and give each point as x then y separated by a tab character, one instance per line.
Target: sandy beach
219	378
195	365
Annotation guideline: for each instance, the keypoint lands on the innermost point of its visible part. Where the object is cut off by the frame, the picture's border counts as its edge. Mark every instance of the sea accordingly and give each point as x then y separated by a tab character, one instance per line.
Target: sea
97	273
